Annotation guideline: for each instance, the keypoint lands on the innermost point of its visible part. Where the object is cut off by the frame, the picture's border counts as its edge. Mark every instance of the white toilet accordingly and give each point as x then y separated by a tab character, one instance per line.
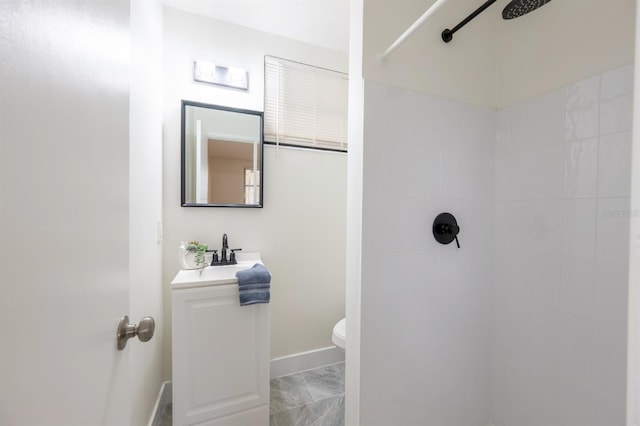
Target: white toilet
339	336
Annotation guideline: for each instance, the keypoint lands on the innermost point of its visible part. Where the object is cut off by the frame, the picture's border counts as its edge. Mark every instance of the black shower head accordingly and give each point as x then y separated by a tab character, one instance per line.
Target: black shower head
517	8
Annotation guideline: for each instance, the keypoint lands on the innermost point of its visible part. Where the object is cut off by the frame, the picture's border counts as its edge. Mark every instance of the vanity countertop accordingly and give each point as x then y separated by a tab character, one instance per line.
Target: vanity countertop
215	275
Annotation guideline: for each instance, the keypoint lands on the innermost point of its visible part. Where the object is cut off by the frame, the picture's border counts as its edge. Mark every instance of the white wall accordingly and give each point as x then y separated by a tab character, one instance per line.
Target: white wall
145	202
561	43
562	181
300	231
463	69
425	332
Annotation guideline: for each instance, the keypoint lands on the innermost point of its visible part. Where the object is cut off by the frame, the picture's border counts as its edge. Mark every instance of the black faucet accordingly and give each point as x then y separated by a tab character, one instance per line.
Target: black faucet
225	247
223	254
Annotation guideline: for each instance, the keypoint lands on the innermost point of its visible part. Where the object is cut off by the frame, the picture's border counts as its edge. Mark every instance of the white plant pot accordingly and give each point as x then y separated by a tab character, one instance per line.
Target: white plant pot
187	259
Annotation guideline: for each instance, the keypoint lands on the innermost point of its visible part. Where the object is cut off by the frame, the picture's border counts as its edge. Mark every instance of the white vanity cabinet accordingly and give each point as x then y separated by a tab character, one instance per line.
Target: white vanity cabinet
220	351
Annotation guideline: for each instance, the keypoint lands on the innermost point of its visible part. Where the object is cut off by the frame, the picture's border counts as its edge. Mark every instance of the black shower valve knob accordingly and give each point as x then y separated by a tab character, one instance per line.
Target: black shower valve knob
449	229
446	229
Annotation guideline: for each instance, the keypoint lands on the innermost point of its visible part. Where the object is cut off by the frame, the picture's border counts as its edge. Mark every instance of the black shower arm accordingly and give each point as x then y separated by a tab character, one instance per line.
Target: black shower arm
447	35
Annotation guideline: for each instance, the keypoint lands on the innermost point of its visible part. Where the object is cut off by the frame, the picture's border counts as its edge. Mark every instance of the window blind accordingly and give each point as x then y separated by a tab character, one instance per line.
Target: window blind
305	105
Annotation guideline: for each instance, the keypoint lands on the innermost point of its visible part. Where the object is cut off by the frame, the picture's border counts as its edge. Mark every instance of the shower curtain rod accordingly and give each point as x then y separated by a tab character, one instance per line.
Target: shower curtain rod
405	35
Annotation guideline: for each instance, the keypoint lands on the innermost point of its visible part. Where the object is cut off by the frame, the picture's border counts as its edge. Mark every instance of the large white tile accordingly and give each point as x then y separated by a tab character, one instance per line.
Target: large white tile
508	232
475	219
411	224
480	178
616	115
499	308
580	168
521	228
546	281
477	135
538	121
504	138
576	403
546	340
579	229
412	170
501	167
576	348
396	224
576	291
377	232
383	291
582	123
544	218
375	153
415	146
614	165
519	310
608	410
431	301
521	182
612	294
519	389
610	360
617	82
613	222
583	93
466	177
547	177
544	399
454	179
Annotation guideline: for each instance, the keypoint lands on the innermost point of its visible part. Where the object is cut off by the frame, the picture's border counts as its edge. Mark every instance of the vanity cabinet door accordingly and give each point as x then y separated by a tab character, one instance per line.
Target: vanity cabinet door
220	358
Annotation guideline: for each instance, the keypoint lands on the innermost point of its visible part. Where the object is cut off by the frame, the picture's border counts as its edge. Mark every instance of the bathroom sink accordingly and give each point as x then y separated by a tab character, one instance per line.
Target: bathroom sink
215	275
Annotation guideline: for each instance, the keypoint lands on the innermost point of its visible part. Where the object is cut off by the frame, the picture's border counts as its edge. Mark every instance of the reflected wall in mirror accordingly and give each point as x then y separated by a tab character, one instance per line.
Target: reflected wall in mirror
221	156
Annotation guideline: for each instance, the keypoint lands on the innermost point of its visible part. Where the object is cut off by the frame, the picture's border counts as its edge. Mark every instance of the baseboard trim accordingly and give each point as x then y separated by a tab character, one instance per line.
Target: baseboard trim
164	397
302	361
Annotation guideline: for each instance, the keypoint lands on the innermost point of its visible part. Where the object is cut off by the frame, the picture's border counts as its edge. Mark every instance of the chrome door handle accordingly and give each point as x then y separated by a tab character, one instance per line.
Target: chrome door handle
144	330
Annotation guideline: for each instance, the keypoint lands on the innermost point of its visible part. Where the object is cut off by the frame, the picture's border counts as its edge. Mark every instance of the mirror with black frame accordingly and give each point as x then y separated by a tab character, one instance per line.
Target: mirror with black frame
222	155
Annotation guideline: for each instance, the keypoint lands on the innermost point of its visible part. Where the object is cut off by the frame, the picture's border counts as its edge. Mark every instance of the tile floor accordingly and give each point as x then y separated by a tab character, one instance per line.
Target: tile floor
310	398
166	417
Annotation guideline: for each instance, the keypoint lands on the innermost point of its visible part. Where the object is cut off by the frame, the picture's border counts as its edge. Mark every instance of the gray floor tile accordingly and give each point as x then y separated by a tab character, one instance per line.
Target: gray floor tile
166	417
326	381
326	412
289	392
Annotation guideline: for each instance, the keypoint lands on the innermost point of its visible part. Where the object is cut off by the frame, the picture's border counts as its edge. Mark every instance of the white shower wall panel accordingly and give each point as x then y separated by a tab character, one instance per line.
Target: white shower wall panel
426	307
562	180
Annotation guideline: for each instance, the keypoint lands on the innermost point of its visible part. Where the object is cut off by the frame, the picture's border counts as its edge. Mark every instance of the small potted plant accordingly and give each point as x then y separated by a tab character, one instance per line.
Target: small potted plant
193	255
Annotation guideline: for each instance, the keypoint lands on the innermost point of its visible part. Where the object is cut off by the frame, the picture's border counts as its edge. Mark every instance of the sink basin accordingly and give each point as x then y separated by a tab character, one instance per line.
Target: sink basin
215	275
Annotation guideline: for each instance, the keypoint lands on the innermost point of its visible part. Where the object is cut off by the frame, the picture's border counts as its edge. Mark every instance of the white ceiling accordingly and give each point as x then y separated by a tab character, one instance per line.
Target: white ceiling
321	22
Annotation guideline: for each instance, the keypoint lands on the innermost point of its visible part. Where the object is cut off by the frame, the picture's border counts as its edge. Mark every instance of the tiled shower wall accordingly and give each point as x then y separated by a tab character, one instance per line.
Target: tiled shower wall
561	224
426	307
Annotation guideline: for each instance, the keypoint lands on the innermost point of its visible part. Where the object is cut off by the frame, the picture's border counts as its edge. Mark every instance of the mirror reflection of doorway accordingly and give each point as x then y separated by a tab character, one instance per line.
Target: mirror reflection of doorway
229	162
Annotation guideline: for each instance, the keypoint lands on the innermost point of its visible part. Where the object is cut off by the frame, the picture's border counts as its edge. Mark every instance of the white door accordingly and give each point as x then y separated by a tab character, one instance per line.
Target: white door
63	212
